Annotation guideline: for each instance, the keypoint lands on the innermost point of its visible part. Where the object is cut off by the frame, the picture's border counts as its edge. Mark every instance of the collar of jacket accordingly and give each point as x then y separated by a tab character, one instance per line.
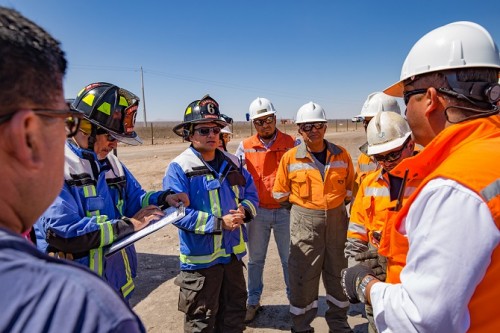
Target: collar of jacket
302	151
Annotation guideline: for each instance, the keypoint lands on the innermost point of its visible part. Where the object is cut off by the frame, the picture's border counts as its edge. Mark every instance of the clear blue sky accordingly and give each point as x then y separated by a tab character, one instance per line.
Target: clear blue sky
332	52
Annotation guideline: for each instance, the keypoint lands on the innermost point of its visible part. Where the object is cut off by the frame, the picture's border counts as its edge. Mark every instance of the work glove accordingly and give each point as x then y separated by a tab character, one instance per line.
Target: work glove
375	261
350	280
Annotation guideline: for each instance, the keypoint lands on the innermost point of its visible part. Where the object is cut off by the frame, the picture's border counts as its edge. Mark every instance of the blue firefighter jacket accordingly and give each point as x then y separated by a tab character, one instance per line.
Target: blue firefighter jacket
86	216
203	243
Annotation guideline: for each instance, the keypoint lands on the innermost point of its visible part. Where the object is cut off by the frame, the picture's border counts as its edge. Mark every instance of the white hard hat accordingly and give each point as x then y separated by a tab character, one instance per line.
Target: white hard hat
455	45
386	131
226	130
261	107
310	113
378	101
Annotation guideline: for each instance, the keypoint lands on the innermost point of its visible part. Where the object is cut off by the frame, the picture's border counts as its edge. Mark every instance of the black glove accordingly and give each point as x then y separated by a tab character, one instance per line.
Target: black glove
351	278
375	261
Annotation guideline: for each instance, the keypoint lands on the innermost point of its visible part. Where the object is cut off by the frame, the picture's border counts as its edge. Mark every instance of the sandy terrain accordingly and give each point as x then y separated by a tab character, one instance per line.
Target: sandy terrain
155	298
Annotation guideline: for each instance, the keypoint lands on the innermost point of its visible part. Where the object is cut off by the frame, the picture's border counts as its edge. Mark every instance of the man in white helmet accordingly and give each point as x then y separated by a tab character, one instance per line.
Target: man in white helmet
375	102
449	82
316	178
225	137
262	153
389	142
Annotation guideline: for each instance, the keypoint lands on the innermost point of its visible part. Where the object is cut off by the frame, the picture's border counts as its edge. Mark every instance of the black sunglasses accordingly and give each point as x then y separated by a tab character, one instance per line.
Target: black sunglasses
205	131
267	120
72	118
309	127
102	131
408	94
393	155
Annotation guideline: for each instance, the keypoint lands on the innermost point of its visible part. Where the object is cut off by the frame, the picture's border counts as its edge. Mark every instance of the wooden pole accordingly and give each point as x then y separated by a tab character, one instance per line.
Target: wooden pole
143	99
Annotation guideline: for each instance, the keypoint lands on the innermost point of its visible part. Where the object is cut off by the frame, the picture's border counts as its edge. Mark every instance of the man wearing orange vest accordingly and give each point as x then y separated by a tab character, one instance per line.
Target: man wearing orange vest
375	102
389	142
262	154
316	178
449	82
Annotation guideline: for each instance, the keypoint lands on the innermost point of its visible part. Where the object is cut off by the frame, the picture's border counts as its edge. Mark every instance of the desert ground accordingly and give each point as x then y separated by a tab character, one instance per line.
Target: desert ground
155	297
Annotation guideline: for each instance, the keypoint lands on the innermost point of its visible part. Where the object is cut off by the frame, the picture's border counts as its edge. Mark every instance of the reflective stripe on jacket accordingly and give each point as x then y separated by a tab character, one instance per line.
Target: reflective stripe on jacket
299	180
211	196
468	154
364	166
85	216
263	162
371	210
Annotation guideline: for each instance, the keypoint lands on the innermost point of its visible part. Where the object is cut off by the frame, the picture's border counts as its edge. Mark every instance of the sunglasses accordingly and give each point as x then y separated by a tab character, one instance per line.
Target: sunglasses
102	131
72	118
392	156
205	131
407	94
267	120
309	127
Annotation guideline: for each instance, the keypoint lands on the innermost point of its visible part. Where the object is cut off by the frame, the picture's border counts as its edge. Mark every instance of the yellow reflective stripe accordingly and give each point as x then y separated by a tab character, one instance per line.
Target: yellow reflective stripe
145	200
107	236
129	286
203	259
90	191
236	190
119	206
247	203
240	248
201	222
95	263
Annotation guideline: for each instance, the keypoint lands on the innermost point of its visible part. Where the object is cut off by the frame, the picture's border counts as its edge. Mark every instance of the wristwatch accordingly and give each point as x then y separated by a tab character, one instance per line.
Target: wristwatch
361	290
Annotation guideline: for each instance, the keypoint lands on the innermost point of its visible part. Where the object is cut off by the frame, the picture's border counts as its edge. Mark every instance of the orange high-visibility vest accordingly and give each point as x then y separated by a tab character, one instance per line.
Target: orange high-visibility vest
262	164
373	206
469	154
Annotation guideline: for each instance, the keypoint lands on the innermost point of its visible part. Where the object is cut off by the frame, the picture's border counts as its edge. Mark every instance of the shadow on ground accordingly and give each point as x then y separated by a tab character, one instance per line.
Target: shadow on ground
152	271
278	316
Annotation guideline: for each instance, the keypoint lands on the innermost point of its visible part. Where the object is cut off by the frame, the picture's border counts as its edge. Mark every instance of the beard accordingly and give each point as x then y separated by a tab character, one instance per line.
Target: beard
269	136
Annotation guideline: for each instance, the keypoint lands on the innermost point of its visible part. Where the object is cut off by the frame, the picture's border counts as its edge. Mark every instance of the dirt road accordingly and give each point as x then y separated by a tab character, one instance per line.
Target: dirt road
155	298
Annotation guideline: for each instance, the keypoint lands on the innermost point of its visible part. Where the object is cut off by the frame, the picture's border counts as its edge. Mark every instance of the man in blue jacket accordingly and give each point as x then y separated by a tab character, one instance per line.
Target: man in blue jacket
40	293
212	234
101	201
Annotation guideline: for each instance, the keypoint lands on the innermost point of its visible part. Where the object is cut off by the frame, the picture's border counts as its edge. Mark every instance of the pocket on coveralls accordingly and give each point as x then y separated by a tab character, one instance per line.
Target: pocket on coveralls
190	284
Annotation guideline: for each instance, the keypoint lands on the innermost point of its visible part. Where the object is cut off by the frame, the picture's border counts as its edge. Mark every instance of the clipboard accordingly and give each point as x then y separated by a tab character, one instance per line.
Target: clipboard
172	214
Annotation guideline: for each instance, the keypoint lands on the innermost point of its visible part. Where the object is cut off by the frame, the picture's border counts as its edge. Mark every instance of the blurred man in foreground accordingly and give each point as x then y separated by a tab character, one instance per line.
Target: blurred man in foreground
40	293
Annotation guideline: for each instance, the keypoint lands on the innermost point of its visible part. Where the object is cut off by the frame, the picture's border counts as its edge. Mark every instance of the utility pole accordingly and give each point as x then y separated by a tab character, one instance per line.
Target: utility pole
143	99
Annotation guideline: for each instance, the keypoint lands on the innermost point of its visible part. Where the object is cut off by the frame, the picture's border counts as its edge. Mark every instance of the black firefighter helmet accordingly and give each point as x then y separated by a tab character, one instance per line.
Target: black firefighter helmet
205	110
111	108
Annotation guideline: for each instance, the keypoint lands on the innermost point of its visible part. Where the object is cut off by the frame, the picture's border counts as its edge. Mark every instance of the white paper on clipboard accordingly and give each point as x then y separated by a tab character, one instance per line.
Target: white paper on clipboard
172	214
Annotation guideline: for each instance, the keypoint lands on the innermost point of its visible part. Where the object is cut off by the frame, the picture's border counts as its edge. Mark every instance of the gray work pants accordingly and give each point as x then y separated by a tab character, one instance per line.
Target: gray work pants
317	249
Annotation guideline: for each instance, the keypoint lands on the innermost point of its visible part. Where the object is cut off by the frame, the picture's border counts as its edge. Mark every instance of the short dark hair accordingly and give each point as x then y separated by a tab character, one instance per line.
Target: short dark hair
32	64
